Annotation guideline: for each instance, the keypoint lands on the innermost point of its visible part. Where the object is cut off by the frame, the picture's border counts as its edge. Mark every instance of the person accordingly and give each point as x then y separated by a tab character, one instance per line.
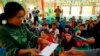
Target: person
48	18
57	11
68	26
80	19
98	19
90	19
63	23
14	36
86	24
81	29
36	28
35	13
94	22
45	35
56	31
77	27
95	32
52	35
73	22
68	42
28	22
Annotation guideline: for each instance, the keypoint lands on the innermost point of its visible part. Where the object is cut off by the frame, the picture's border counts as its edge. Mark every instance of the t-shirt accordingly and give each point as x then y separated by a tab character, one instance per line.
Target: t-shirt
68	45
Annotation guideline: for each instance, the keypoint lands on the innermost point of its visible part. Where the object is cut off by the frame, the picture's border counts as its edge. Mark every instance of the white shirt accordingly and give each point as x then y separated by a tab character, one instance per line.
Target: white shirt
56	32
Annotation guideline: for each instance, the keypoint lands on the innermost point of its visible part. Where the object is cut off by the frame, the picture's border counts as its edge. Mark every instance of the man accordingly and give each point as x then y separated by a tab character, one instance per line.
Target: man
35	13
58	11
95	32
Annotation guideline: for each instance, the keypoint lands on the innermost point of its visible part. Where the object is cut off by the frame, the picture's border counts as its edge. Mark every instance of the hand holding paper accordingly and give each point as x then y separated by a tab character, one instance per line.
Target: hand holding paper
47	51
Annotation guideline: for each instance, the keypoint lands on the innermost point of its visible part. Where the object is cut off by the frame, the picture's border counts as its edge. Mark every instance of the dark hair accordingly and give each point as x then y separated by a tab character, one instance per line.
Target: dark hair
95	21
67	31
98	16
54	24
82	25
43	24
45	31
10	10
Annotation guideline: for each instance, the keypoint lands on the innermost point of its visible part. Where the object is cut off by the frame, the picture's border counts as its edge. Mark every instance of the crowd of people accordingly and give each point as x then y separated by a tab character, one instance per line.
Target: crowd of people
29	37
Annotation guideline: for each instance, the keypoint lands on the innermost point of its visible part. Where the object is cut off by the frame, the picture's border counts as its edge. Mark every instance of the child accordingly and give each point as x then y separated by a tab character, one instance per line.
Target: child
68	42
56	31
81	43
45	35
81	30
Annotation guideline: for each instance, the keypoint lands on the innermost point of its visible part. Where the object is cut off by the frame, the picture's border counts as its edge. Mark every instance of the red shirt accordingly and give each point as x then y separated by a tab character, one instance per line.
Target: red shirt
50	39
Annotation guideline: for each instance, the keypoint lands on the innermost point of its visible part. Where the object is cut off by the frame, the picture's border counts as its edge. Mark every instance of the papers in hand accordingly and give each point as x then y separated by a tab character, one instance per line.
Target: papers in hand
48	50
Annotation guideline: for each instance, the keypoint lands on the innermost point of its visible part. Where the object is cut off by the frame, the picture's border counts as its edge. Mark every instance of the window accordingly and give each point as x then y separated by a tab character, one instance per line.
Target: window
75	10
87	10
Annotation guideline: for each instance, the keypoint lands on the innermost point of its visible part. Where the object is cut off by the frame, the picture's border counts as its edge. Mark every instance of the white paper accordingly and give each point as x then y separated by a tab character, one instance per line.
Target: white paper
48	50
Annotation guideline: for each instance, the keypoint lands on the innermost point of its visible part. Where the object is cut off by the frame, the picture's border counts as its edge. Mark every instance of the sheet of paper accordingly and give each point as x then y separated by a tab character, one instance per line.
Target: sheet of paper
48	50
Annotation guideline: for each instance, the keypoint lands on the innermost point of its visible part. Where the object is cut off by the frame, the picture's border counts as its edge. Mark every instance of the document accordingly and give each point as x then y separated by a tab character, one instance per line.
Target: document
48	50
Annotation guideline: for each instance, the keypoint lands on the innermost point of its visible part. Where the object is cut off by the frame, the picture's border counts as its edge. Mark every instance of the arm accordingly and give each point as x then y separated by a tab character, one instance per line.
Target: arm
93	31
6	43
93	52
35	39
13	50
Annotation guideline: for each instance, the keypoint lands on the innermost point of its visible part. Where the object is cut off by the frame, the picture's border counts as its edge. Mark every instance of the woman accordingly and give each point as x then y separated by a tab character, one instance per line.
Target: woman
14	36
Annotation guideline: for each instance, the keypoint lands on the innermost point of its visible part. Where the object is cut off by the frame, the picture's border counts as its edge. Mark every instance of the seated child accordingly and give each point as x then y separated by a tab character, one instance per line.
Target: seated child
68	42
52	34
81	30
45	35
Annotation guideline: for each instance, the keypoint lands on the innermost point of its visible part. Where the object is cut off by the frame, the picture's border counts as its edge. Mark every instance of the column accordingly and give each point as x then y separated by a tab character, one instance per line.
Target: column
81	8
42	7
93	9
54	4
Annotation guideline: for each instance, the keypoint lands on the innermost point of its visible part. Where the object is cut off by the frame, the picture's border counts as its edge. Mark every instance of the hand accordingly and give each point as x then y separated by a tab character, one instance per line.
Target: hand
74	52
23	52
45	42
62	54
34	52
91	40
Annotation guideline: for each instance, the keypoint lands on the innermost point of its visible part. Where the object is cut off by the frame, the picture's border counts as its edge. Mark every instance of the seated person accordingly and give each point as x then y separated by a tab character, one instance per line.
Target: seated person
45	35
68	42
56	31
36	29
52	35
81	29
69	27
